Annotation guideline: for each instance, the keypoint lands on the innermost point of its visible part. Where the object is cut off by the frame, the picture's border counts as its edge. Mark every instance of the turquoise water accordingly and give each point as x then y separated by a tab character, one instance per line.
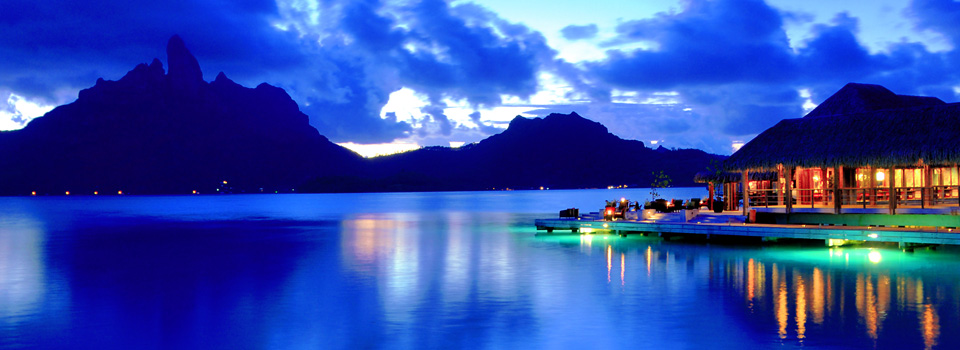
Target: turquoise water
438	270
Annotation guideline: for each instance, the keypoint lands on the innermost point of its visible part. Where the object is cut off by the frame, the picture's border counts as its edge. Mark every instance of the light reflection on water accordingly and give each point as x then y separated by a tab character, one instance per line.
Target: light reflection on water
105	275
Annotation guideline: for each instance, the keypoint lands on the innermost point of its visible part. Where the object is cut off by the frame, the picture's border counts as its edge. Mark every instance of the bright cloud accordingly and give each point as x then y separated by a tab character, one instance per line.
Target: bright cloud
19	111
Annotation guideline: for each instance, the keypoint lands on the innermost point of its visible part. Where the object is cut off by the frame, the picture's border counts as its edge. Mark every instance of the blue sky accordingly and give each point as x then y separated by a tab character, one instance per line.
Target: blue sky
687	74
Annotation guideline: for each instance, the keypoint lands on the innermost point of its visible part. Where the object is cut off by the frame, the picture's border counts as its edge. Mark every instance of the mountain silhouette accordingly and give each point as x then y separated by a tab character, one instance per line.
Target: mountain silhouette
157	132
557	151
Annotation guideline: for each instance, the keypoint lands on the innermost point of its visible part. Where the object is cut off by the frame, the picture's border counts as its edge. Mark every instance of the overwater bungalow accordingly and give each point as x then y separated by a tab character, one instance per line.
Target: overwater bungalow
866	165
865	150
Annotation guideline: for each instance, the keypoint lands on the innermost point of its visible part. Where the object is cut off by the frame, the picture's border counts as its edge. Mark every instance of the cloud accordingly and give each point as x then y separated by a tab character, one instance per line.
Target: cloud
710	42
340	60
575	32
940	16
484	128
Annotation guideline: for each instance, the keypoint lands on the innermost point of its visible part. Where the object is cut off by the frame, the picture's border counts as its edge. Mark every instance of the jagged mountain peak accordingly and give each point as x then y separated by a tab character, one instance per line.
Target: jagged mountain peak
184	67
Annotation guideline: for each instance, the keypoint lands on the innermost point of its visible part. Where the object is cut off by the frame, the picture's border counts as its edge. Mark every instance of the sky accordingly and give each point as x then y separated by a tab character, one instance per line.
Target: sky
382	76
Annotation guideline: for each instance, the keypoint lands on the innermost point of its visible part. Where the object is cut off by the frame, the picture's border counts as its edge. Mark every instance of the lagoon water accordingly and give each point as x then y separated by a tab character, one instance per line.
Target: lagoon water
438	270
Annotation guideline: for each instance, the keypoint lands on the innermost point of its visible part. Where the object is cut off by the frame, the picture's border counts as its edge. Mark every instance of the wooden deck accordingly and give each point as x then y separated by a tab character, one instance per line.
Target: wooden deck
709	225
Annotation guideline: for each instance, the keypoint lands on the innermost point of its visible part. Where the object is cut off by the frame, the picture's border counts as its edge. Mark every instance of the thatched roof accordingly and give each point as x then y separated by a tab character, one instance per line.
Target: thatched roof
727	177
920	129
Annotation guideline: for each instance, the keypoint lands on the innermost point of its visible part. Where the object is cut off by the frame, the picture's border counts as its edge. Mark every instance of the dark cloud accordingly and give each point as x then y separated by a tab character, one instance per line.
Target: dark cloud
484	128
940	16
835	52
710	42
436	114
575	32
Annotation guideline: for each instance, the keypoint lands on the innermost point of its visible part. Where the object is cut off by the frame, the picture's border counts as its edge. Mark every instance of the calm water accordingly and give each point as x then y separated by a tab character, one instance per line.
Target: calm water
437	270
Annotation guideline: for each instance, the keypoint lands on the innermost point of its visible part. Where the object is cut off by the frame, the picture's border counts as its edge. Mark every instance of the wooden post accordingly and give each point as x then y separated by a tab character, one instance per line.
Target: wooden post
823	189
780	184
927	193
893	195
837	197
873	186
710	193
746	191
789	187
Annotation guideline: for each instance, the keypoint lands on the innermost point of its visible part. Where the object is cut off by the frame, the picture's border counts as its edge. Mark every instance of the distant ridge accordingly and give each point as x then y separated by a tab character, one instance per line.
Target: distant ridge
157	132
859	98
557	151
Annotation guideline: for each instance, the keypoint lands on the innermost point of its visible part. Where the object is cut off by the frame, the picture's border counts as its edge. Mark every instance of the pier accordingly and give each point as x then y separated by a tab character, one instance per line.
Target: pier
712	225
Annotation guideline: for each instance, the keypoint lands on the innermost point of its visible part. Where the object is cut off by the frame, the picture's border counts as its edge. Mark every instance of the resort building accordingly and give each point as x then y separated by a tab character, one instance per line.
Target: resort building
865	150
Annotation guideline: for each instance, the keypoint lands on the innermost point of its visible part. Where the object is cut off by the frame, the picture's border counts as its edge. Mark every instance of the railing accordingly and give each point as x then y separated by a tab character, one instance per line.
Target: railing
864	197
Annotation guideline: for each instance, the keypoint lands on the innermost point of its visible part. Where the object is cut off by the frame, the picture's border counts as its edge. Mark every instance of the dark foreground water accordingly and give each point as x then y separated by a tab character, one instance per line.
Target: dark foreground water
437	270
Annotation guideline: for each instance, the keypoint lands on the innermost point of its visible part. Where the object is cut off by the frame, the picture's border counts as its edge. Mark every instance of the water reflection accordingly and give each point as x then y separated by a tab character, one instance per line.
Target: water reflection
479	278
22	276
866	293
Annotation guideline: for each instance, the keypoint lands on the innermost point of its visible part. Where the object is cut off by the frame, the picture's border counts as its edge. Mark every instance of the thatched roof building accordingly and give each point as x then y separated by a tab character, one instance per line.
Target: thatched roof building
860	125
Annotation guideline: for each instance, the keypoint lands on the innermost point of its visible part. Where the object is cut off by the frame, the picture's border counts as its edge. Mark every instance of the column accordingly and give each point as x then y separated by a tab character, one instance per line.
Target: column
746	191
837	196
789	187
892	176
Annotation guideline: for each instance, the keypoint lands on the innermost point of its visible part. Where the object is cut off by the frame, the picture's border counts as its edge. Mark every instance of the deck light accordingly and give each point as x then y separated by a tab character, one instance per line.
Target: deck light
872	235
874	256
33	193
96	193
194	191
119	192
605	225
68	193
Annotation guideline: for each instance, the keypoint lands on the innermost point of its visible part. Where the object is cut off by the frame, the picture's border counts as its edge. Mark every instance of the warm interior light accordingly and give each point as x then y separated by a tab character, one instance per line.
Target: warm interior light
816	177
119	192
33	193
68	193
95	193
880	176
194	191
